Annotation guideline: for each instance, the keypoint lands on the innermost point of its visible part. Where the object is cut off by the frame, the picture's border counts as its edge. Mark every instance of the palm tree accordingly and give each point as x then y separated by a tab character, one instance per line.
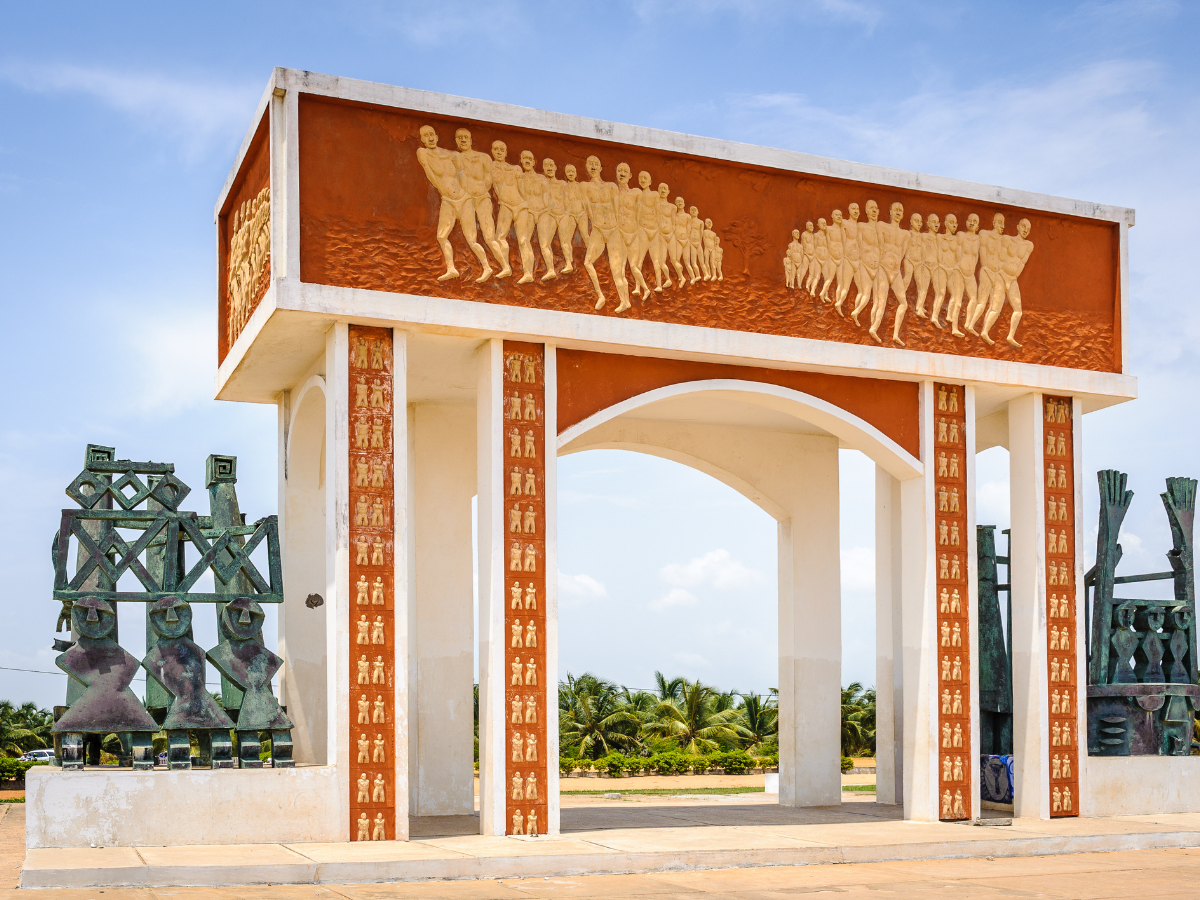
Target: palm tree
761	719
23	729
696	720
669	690
593	720
858	719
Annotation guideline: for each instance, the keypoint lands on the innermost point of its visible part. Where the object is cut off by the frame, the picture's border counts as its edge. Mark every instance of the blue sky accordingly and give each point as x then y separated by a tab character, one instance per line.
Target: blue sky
120	124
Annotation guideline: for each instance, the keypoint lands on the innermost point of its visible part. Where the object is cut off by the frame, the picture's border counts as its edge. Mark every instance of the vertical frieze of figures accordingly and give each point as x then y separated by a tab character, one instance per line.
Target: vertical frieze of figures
1061	631
527	683
372	619
956	760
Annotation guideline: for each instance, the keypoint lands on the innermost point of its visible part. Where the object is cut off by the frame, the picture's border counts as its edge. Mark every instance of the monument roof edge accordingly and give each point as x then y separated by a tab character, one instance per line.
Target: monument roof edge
259	111
732	151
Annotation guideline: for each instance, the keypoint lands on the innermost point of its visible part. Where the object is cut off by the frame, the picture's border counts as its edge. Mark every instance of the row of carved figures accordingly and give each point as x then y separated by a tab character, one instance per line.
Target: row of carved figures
376	590
530	823
369	551
522	368
522	558
371	791
615	219
524	749
524	788
882	257
369	832
952	806
524	674
249	255
376	628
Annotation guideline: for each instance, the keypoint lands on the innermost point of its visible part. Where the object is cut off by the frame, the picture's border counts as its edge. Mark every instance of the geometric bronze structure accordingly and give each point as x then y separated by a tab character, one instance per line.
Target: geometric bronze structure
109	493
1142	672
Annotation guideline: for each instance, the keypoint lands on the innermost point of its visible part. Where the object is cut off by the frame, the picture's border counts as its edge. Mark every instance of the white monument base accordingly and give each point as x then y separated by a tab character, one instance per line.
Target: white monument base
111	807
1141	785
771	782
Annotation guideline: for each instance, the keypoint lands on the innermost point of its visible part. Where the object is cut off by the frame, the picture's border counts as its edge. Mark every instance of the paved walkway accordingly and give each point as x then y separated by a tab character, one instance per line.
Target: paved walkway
1161	874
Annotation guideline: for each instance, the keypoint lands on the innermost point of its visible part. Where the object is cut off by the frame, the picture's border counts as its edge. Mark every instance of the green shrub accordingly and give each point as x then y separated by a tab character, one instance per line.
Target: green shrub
567	764
614	764
847	764
769	761
15	769
670	763
635	765
735	762
699	764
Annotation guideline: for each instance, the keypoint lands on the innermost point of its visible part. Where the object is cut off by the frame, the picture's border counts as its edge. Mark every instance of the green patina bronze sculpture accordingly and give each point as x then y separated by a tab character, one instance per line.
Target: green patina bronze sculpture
109	493
1142	668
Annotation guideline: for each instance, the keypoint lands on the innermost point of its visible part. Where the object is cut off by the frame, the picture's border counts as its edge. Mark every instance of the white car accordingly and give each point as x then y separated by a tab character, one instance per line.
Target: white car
44	755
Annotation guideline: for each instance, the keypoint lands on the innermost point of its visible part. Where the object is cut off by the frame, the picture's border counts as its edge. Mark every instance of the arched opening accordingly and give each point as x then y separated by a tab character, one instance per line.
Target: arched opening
779	449
303	619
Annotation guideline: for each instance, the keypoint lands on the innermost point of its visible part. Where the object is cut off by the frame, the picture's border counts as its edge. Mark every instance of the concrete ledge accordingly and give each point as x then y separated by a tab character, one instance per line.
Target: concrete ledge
595	853
1140	785
119	808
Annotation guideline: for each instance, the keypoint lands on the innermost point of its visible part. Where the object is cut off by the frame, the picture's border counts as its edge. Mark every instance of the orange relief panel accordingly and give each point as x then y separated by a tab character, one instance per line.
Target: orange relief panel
244	241
372	586
589	382
528	684
442	206
1061	621
956	760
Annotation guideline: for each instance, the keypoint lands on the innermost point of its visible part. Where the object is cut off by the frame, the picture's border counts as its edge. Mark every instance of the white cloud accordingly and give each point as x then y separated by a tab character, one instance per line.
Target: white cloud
858	569
716	568
195	111
675	597
580	587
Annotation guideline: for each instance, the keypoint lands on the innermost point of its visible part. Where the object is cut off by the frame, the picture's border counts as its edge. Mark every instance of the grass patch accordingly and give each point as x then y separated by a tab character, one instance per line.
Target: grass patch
859	787
670	792
12	800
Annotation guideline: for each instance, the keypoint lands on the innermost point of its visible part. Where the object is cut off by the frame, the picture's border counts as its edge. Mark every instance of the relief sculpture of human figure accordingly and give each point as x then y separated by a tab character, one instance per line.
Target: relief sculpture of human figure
245	660
514	210
441	168
601	199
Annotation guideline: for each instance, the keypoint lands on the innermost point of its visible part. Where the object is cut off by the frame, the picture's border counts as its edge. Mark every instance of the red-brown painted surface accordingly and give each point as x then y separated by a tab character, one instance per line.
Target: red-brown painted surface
529	688
372	575
254	175
368	219
1061	622
589	382
956	760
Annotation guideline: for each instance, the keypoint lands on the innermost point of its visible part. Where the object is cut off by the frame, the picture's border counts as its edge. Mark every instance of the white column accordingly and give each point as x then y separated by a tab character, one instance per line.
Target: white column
337	559
889	676
403	601
551	461
810	634
490	473
1031	715
442	767
918	629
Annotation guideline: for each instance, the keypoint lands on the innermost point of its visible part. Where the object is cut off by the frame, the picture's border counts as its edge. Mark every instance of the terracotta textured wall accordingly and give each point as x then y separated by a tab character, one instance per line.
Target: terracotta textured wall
589	382
254	175
1061	630
369	220
372	585
956	759
529	687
